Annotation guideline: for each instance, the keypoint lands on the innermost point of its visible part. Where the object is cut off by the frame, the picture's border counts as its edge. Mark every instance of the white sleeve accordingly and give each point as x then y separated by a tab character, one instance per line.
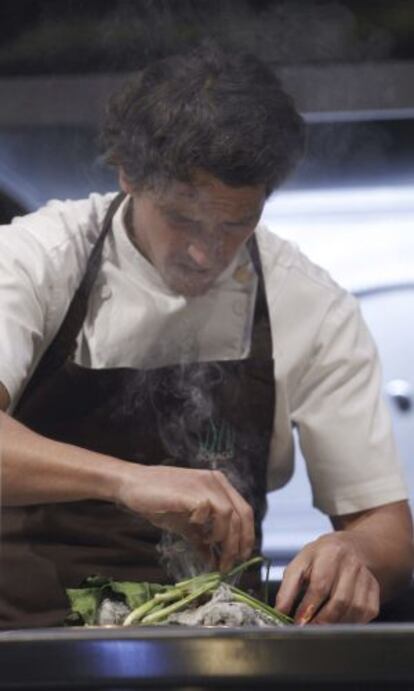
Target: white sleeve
344	425
42	257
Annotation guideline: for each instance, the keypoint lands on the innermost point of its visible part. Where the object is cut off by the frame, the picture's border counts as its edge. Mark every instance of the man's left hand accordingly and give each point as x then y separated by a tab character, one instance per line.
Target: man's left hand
338	586
342	577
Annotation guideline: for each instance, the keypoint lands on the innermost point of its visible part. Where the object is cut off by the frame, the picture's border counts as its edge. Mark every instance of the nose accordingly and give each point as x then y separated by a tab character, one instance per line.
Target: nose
202	256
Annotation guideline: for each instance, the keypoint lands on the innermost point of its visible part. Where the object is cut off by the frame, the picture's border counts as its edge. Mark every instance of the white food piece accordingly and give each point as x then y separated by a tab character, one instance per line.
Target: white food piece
221	610
112	612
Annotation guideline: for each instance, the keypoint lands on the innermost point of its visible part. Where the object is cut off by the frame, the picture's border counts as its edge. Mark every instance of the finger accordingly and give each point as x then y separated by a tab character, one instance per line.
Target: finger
202	532
219	524
216	528
210	518
192	533
221	518
195	535
366	602
231	551
343	594
208	557
321	580
293	579
372	602
201	515
245	513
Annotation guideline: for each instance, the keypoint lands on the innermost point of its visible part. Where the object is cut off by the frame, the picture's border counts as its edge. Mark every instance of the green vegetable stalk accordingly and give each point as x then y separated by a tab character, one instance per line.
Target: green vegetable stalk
152	603
185	592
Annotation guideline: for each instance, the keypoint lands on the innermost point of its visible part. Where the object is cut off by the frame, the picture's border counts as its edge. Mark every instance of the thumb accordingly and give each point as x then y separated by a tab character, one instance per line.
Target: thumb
201	515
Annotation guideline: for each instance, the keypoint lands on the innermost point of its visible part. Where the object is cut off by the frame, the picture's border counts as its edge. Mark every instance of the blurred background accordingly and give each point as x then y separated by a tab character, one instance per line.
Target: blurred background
350	204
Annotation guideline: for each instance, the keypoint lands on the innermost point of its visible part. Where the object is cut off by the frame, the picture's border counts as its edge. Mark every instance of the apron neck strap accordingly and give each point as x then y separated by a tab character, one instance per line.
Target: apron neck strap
64	344
261	340
95	259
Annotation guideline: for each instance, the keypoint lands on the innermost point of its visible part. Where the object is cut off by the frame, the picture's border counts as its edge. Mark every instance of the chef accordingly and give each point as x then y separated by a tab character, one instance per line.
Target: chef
157	348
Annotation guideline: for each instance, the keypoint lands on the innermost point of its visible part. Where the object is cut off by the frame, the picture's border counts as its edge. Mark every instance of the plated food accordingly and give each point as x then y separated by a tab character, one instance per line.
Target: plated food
209	599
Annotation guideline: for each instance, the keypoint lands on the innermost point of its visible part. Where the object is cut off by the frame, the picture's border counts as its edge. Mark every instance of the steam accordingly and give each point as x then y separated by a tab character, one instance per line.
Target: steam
178	557
190	435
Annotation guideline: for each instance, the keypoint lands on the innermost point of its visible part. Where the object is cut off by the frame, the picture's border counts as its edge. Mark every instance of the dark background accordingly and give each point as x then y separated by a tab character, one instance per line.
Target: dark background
64	39
75	36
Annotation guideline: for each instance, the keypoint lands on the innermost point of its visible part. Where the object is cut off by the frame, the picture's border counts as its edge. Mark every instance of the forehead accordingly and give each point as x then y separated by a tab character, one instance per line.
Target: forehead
206	191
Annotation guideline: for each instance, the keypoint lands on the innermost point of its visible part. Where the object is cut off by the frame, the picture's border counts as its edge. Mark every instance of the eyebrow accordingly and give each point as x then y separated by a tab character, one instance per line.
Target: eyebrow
178	214
241	221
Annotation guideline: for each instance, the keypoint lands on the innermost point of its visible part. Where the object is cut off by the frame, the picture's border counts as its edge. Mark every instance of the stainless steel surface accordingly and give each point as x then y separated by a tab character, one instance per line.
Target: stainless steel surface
179	657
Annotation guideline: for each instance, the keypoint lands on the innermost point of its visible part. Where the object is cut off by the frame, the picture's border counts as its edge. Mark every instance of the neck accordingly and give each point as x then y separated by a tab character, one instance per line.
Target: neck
130	228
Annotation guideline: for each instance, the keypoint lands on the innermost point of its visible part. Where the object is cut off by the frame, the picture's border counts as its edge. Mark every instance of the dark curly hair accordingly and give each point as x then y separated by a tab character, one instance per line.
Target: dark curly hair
225	113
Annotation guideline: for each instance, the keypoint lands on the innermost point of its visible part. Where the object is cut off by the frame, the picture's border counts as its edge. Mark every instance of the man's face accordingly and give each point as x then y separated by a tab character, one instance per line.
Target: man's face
191	232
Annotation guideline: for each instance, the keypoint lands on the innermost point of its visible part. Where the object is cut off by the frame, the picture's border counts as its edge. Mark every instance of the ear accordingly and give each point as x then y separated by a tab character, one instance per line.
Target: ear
124	183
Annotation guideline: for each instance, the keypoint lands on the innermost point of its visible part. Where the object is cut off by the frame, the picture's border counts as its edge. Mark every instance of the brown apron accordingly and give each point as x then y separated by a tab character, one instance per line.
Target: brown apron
205	414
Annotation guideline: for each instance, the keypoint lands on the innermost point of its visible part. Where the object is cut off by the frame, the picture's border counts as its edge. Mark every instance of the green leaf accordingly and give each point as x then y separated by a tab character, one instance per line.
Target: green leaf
85	602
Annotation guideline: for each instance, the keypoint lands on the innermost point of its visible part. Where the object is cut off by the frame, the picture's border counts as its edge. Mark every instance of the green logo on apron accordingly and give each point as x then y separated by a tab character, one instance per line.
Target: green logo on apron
217	444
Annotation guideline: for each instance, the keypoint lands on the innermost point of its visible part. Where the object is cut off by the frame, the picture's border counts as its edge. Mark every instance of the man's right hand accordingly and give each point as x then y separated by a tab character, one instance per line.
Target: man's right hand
200	505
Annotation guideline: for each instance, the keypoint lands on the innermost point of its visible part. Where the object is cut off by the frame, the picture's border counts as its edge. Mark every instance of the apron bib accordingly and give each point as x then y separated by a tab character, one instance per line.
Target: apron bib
202	415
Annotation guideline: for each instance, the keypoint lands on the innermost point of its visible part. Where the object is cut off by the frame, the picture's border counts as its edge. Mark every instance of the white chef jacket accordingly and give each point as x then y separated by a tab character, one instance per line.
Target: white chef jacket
327	374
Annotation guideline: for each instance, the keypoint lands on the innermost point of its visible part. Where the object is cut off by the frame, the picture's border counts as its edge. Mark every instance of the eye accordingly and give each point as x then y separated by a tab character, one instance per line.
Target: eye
183	221
178	220
238	229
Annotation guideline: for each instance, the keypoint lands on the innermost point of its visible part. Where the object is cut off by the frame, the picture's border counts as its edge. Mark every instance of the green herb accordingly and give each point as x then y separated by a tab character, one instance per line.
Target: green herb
152	603
86	600
163	614
258	605
185	592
